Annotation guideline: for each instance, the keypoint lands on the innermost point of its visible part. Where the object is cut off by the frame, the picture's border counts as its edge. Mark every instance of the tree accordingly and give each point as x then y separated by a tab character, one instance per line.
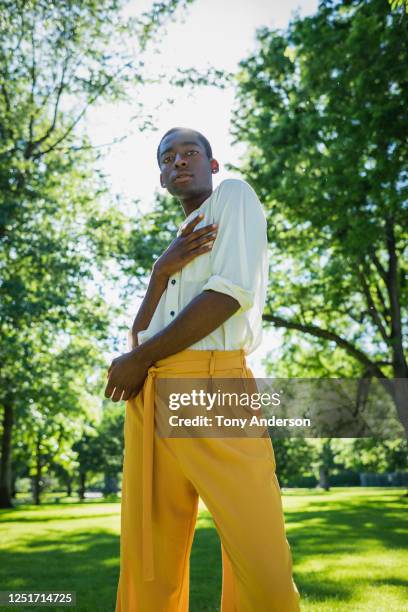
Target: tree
60	400
293	456
324	461
109	445
57	60
322	110
151	235
369	454
87	458
399	4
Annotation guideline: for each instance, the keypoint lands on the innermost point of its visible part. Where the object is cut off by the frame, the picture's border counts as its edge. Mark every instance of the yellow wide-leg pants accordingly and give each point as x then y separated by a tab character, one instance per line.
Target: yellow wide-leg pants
162	481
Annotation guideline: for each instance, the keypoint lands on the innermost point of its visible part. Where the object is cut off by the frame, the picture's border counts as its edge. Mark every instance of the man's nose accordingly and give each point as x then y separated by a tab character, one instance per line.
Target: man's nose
180	161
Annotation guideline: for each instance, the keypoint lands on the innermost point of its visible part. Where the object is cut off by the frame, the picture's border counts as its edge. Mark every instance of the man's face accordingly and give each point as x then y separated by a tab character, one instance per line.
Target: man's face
185	168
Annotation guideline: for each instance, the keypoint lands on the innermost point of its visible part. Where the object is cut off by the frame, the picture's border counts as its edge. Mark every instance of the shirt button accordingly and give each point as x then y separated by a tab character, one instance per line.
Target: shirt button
172	313
173	282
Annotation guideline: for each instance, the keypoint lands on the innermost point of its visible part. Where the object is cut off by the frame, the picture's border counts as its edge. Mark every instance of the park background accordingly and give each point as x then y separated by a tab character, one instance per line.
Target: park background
310	108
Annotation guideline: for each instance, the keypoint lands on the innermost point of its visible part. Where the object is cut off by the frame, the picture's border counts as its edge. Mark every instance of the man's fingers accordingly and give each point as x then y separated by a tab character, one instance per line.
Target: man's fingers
113	392
124	394
187	229
204	231
205	240
110	388
198	251
117	396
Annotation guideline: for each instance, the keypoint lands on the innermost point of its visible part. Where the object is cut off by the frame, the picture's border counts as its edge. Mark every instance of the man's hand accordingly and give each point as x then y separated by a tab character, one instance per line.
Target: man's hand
185	248
127	374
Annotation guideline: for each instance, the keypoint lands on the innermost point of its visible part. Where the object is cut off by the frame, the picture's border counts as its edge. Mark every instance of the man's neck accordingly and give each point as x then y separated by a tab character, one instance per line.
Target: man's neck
190	204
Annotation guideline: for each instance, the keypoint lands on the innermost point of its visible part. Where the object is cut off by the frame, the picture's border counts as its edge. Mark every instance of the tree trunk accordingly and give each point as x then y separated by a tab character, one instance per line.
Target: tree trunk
111	484
13	486
324	478
400	366
82	485
401	399
69	487
5	463
38	474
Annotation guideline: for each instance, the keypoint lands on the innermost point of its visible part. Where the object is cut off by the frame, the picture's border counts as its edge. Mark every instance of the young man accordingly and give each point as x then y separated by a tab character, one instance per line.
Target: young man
200	316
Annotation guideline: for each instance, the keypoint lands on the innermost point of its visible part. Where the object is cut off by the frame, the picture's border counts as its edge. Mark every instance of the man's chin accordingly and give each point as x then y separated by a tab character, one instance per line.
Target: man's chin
184	190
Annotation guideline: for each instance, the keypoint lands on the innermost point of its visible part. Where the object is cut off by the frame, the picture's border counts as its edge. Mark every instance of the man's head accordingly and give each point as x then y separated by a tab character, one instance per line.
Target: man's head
186	163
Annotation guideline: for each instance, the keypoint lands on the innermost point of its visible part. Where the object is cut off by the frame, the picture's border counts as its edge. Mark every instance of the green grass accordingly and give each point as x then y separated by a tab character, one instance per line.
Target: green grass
349	547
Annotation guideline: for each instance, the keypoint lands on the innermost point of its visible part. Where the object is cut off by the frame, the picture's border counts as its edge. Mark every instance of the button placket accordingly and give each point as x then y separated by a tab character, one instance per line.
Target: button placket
172	298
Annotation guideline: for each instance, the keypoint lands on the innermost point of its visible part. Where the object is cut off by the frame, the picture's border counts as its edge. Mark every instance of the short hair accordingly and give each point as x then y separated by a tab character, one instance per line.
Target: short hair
200	137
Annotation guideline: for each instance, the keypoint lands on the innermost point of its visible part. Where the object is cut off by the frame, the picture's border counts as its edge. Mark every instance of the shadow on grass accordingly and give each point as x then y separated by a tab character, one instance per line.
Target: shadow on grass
85	562
88	563
205	569
339	528
58	518
323	530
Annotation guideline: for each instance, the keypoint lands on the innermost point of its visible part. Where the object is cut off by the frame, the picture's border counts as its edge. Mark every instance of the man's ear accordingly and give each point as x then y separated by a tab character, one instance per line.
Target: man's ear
161	181
214	166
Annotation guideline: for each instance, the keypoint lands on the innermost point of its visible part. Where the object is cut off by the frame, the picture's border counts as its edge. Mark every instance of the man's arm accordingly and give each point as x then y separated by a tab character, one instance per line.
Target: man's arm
156	288
199	318
181	251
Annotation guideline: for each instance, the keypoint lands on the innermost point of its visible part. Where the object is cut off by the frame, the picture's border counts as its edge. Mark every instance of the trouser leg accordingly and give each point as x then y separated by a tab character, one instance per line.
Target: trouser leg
236	479
174	514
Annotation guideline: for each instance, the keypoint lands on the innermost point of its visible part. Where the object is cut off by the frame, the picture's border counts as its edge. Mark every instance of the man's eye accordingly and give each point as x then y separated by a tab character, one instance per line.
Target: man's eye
192	152
166	160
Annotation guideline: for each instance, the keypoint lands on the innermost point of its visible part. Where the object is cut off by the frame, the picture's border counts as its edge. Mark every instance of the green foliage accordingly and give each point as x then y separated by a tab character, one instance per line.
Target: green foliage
109	443
151	235
293	458
399	4
59	233
370	455
88	460
322	110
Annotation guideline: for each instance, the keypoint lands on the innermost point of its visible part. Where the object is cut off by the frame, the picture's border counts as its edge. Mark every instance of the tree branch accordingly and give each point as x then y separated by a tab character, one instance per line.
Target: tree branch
93	147
400	364
372	310
386	310
317	332
83	111
381	270
33	71
31	146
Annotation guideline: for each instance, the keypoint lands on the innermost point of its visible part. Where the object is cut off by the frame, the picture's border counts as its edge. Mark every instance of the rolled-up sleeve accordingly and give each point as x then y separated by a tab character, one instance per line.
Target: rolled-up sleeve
241	243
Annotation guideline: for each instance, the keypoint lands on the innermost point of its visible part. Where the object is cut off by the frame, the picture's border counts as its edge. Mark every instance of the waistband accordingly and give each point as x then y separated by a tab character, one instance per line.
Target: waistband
189	361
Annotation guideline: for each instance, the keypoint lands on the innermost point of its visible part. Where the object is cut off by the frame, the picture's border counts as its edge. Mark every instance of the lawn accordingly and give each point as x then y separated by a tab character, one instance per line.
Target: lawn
349	547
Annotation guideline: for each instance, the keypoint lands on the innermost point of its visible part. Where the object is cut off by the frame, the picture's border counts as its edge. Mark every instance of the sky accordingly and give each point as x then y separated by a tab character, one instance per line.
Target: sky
210	33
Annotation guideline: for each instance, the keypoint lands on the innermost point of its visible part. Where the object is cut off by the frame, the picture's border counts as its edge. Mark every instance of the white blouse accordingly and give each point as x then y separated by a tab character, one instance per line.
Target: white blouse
236	265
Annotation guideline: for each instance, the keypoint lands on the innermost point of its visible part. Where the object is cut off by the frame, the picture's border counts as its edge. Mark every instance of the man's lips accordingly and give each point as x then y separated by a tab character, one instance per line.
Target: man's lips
182	178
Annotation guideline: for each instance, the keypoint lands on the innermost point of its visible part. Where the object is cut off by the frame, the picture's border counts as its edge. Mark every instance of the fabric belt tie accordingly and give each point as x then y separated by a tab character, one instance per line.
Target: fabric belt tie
203	363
